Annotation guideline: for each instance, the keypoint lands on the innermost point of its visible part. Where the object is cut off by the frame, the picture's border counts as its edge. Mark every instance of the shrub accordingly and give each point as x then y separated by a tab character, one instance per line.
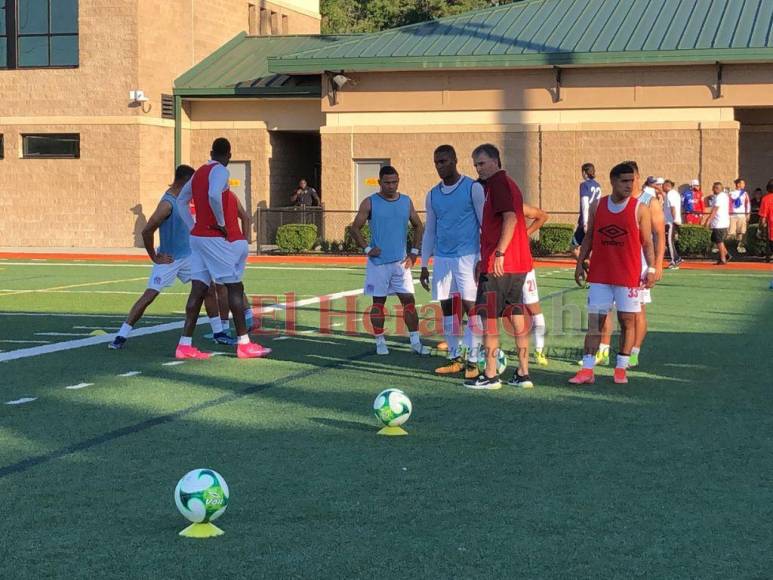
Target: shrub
554	239
694	240
295	238
755	246
349	244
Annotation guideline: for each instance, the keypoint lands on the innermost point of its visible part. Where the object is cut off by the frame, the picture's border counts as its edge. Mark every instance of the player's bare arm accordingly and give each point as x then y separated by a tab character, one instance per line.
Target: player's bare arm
537	216
163	211
246	220
585	248
418	234
360	220
644	217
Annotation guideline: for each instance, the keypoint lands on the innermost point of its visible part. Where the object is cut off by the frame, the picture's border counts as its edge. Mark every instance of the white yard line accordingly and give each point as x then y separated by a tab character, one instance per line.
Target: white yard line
130	374
68	286
62	315
62	334
148	266
173	363
79	386
166	327
22	401
25	341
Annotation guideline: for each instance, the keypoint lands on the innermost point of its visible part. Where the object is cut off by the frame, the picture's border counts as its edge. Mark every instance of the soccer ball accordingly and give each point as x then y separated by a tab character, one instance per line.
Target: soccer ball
392	407
201	495
501	362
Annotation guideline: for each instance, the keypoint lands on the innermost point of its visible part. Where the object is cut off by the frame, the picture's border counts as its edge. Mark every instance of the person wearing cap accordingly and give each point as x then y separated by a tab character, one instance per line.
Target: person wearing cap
693	203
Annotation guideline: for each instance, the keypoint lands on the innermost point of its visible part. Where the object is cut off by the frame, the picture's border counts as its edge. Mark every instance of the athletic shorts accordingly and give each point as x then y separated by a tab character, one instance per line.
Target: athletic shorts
602	297
163	275
578	237
718	235
387	279
504	292
737	225
454	276
530	290
218	260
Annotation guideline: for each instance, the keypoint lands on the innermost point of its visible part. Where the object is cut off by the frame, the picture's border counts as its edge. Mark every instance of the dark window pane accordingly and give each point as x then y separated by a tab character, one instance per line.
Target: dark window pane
64	16
64	50
33	16
33	51
3	52
2	16
53	145
2	148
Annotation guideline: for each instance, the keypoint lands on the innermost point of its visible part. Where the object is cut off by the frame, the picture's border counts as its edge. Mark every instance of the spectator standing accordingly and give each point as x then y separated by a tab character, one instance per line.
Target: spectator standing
590	191
719	222
693	203
672	209
740	207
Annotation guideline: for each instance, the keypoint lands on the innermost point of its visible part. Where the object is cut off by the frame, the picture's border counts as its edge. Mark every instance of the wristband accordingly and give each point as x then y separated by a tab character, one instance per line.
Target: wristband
415	251
367	250
651	270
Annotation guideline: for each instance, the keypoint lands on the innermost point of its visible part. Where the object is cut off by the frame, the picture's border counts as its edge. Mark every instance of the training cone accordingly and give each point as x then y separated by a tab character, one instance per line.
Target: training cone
98	332
392	431
208	530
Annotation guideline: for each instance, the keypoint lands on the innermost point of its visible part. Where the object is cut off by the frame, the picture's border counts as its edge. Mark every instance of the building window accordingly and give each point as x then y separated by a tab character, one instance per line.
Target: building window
39	33
2	147
252	19
274	23
264	23
285	24
51	145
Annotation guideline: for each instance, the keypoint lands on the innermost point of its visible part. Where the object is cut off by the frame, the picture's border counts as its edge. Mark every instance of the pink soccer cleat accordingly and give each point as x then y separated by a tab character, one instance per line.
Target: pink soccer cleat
621	377
192	352
583	377
251	350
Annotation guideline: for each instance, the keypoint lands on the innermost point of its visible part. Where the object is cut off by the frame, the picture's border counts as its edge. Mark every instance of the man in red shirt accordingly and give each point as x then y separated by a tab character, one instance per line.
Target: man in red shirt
694	205
505	260
766	221
619	231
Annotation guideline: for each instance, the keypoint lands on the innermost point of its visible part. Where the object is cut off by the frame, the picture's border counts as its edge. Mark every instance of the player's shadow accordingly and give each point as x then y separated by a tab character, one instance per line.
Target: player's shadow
139	224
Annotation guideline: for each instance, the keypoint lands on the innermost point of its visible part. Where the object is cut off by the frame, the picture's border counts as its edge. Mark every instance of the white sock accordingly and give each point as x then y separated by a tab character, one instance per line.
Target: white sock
603	347
226	324
538	321
186	341
475	339
588	361
125	330
451	337
243	339
622	361
380	338
415	338
635	350
216	324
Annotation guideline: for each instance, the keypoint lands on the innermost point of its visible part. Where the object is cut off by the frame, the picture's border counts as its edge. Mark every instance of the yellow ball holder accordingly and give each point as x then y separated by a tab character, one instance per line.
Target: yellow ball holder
393	431
208	530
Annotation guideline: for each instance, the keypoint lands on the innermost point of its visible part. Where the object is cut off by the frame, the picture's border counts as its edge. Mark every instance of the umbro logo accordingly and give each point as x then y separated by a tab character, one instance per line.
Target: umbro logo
613	231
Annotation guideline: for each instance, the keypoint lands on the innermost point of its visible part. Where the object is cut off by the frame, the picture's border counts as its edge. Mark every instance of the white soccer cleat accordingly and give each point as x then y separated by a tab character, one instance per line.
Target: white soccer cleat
381	348
421	350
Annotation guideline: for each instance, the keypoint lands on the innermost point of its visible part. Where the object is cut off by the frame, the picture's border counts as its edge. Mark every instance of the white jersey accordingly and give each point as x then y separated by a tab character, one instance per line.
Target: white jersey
721	219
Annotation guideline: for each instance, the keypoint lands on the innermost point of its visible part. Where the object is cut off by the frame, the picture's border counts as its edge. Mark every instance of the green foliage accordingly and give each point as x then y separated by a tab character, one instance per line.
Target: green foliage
296	238
554	239
349	244
340	16
755	246
694	240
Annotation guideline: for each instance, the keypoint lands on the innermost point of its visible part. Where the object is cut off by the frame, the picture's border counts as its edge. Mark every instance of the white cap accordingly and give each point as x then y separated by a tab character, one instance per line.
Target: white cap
660	181
694	183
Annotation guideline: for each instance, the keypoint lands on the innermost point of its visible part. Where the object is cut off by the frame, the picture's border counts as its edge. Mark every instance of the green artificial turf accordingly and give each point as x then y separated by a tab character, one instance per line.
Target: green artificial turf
669	476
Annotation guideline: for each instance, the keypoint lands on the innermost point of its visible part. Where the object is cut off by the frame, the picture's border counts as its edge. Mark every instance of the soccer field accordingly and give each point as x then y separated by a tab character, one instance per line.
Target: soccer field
669	476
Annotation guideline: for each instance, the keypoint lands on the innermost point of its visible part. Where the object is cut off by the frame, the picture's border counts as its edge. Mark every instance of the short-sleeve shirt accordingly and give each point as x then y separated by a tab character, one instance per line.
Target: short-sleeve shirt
306	196
673	201
721	219
766	213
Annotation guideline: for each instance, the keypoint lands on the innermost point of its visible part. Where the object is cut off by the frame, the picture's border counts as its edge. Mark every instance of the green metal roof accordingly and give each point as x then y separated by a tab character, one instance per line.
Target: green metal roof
239	67
558	32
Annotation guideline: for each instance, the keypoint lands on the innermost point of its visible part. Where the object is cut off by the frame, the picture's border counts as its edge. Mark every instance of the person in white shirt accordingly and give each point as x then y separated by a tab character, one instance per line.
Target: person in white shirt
740	206
672	208
719	222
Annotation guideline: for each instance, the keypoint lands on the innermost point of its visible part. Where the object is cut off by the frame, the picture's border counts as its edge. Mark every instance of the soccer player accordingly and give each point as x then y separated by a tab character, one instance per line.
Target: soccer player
452	235
672	209
388	269
719	222
218	250
619	231
504	264
766	221
590	191
171	261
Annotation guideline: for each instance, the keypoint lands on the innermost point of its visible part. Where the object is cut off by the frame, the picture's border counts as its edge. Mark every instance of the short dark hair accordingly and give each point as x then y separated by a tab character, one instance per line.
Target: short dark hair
739	180
769	186
758	189
632	164
589	169
719	183
445	149
621	169
221	146
489	150
183	172
671	182
387	170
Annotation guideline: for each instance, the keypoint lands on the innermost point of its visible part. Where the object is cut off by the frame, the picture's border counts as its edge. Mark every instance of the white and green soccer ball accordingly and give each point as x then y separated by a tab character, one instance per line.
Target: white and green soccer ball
201	495
392	407
501	362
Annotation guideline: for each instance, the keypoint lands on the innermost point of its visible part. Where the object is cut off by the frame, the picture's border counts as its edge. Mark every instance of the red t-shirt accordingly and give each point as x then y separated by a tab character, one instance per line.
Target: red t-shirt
503	195
766	213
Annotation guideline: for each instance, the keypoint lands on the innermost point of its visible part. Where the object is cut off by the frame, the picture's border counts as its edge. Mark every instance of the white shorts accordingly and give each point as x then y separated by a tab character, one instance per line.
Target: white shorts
530	293
163	275
454	276
602	297
387	279
216	259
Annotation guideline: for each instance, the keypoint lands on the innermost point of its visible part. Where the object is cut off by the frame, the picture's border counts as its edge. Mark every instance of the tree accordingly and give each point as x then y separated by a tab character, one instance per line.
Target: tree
341	16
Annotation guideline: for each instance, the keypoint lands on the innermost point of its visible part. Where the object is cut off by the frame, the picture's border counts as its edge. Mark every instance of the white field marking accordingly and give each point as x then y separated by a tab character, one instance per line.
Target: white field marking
283	337
337	324
85	284
124	292
111	328
173	363
130	374
26	341
62	334
21	401
166	327
117	264
62	315
79	386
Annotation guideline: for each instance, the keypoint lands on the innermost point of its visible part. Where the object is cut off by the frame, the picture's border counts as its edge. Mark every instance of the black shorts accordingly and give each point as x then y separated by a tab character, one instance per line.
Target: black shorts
718	235
504	294
578	237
